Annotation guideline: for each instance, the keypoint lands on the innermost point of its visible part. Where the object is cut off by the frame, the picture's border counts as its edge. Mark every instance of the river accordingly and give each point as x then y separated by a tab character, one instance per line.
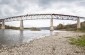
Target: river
10	37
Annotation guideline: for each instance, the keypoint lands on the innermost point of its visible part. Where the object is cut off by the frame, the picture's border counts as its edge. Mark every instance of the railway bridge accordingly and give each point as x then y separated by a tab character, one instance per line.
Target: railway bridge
21	18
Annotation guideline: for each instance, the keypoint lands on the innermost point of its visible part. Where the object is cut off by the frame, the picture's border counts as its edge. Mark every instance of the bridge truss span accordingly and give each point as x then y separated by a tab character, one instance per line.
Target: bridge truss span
42	16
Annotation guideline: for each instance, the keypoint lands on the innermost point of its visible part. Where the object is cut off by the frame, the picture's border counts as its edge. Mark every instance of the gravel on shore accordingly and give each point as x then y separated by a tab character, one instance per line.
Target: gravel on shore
50	45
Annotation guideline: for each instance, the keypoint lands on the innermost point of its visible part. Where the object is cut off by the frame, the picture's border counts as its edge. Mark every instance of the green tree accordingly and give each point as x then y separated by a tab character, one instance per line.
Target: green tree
60	26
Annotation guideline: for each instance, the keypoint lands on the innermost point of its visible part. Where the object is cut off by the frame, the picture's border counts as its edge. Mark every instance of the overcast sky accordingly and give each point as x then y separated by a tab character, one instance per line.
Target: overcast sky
20	7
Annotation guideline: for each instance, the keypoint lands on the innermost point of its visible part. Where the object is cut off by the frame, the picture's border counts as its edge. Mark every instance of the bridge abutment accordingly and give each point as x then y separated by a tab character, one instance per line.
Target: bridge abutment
21	25
78	23
3	24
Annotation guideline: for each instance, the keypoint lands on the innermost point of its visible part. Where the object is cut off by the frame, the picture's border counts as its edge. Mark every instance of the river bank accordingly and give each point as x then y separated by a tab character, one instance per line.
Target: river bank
50	45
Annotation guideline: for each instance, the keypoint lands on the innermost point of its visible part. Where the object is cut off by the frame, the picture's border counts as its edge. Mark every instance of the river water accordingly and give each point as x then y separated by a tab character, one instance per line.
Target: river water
11	37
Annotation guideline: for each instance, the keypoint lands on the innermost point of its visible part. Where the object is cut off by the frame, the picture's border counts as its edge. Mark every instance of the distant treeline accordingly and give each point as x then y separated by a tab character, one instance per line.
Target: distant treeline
9	27
17	28
70	27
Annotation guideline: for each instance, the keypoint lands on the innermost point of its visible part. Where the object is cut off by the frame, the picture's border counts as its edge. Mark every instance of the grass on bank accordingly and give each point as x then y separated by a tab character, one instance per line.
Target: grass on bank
78	41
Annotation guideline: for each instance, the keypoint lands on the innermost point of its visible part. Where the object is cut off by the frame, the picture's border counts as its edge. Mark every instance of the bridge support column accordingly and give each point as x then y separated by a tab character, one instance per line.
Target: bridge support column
21	25
78	23
3	24
51	24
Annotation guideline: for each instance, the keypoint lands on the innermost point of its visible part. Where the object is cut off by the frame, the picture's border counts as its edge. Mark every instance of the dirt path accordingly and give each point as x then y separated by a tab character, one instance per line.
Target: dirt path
53	45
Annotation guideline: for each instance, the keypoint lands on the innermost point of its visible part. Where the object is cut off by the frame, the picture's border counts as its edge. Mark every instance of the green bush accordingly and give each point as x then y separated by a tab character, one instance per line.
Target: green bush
79	42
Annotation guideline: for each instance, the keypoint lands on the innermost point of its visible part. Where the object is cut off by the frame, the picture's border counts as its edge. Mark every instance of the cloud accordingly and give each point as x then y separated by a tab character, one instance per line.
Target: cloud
18	7
12	7
49	2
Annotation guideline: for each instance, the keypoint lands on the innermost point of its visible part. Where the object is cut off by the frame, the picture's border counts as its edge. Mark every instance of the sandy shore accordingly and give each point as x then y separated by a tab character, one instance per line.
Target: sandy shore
50	45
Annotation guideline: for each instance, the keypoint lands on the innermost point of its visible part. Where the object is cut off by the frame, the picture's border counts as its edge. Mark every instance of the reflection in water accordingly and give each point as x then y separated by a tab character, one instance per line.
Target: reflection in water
12	37
51	33
21	36
2	38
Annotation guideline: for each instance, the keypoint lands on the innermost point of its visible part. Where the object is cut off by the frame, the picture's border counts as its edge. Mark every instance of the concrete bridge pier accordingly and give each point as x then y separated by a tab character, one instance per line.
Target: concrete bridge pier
78	23
51	24
21	25
3	24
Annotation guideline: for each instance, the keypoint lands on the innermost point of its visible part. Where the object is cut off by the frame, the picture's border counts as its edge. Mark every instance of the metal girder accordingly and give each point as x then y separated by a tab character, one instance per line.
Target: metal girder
42	16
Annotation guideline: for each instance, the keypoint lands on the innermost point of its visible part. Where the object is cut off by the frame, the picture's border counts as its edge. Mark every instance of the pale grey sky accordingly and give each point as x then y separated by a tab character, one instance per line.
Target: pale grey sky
20	7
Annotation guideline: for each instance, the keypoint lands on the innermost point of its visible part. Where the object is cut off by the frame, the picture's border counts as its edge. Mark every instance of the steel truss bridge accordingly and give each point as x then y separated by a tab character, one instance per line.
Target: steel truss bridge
41	16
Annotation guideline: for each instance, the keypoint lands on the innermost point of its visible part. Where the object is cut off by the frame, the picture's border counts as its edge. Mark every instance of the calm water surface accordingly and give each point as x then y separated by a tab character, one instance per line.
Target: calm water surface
12	37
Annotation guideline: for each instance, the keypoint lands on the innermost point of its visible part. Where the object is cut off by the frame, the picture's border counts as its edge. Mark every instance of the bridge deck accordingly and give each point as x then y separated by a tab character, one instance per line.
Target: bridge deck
42	16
